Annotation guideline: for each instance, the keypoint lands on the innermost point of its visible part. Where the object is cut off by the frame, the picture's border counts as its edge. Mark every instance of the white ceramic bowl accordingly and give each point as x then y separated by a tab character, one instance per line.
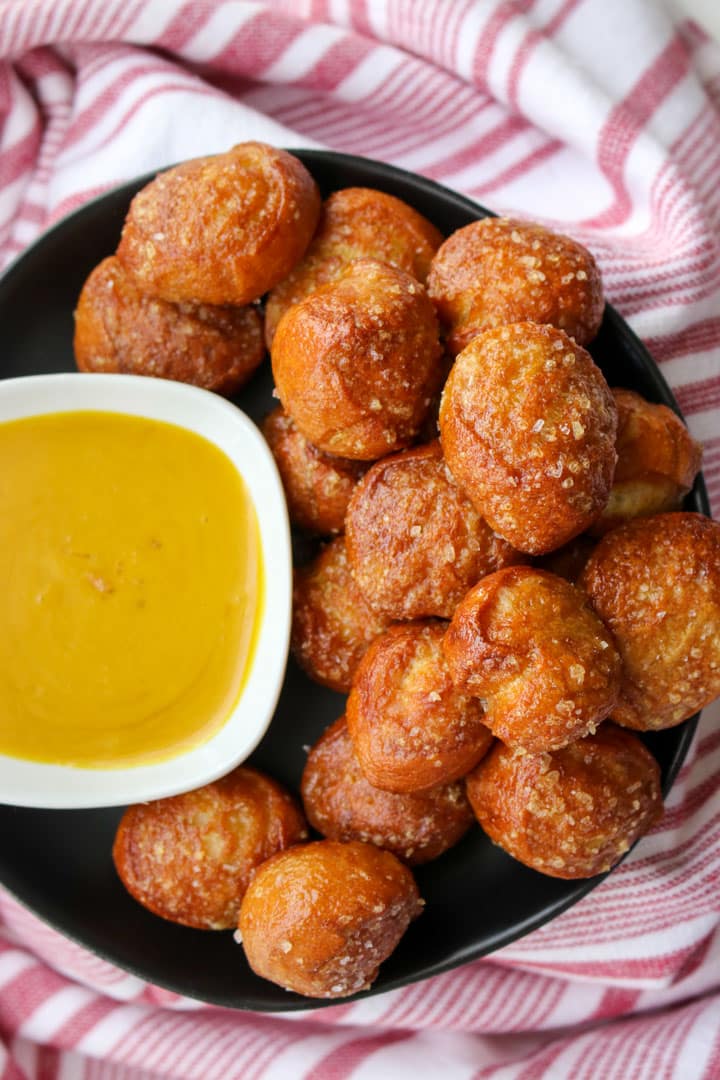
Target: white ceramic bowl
25	783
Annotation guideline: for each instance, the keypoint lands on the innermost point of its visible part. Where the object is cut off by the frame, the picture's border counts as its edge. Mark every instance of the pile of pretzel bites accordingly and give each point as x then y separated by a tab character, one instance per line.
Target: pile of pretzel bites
504	605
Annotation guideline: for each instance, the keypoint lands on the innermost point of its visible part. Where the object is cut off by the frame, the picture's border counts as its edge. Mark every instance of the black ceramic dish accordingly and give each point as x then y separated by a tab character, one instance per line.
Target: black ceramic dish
58	862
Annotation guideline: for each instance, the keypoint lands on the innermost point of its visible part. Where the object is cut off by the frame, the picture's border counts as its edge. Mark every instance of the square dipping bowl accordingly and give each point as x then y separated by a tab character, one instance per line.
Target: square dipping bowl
49	786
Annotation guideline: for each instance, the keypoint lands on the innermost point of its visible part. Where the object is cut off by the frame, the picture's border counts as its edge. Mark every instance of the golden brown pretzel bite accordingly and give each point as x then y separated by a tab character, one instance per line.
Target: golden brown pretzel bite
120	329
411	727
357	362
221	229
658	461
342	805
356	223
655	582
415	541
317	486
528	644
572	813
528	426
332	624
189	858
321	918
499	271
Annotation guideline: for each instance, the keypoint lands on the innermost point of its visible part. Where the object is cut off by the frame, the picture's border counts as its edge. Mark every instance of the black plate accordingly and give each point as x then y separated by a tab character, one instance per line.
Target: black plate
58	862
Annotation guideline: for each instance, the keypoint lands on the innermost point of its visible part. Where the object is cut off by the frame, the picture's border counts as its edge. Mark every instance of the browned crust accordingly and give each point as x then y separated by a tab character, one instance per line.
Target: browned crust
528	644
411	727
342	805
357	363
572	813
221	229
528	427
189	858
321	918
120	329
317	486
356	223
500	270
415	542
658	461
655	582
332	625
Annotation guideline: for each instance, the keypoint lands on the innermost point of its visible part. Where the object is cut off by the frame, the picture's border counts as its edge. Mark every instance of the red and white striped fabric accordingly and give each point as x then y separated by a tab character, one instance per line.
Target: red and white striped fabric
601	116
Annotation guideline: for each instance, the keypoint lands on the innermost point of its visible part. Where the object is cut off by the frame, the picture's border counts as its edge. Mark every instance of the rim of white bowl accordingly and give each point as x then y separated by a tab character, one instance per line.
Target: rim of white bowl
46	786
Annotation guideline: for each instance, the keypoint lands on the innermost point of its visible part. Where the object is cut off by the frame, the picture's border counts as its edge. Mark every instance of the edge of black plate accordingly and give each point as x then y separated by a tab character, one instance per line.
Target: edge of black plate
426	191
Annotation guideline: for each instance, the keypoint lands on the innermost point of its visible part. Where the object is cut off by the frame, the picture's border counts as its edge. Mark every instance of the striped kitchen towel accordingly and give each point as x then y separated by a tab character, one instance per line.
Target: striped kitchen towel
599	116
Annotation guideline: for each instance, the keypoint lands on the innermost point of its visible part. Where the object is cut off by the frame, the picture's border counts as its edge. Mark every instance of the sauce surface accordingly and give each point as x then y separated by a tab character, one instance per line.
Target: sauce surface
130	589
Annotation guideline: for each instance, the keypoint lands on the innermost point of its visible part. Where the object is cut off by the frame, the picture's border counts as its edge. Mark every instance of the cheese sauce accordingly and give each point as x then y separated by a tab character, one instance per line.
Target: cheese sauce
130	589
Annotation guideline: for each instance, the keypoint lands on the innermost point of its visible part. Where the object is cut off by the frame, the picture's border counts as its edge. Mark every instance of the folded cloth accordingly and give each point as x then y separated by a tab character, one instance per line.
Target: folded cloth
599	116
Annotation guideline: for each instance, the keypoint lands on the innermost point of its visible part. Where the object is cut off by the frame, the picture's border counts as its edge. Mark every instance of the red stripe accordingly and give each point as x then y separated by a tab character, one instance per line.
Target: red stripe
360	19
531	161
539	1064
695	337
296	1034
461	11
712	1067
40	62
699	397
462	1001
532	39
23	994
624	125
259	43
488	143
651	967
616	1001
48	1063
187	21
626	1040
86	1017
668	1049
17	160
337	63
560	16
431	1006
711	741
343	1060
137	67
168	87
506	998
502	14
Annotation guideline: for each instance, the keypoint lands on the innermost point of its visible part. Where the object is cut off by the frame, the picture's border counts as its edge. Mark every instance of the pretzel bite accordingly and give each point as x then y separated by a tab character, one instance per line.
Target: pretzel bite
189	858
317	486
415	541
411	727
499	271
342	805
120	329
356	223
528	426
332	624
656	583
658	461
527	643
572	813
221	229
319	919
357	362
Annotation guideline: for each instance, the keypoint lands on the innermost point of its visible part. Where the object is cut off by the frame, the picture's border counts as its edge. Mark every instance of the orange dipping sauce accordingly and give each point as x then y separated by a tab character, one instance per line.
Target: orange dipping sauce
131	589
